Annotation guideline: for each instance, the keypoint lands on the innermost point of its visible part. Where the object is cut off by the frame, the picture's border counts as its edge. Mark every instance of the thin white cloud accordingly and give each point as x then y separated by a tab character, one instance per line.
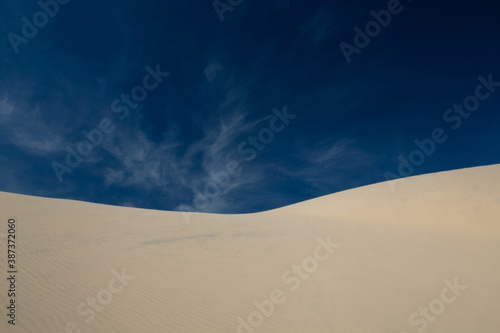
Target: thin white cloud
27	129
142	161
6	108
212	69
329	153
318	27
322	162
113	176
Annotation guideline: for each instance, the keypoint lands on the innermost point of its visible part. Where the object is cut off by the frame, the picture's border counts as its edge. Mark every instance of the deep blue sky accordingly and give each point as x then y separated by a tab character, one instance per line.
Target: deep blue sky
352	120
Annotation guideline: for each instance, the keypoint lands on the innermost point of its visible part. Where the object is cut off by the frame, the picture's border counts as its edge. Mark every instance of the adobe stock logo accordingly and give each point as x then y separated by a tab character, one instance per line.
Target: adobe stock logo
293	277
50	8
87	311
454	116
221	7
425	315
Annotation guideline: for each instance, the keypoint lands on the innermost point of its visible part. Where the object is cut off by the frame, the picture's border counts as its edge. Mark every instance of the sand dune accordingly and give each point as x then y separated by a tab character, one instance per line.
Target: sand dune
422	258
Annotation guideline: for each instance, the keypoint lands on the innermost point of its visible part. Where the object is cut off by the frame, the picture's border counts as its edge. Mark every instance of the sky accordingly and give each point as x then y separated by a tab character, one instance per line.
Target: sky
239	106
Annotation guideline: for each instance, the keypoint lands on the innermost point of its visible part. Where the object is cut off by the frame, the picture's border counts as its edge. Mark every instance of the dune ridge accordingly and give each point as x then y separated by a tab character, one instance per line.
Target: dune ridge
431	244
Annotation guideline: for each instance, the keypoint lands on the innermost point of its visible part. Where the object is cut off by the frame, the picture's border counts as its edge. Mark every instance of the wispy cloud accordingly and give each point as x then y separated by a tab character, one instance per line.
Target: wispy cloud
212	69
141	162
319	26
330	163
25	127
6	108
329	153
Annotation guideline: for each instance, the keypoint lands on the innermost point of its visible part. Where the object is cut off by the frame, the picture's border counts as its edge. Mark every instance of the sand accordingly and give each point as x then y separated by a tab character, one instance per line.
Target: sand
421	258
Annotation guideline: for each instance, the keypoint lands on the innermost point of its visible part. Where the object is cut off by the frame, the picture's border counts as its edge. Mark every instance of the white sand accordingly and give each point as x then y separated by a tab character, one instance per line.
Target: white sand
396	249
